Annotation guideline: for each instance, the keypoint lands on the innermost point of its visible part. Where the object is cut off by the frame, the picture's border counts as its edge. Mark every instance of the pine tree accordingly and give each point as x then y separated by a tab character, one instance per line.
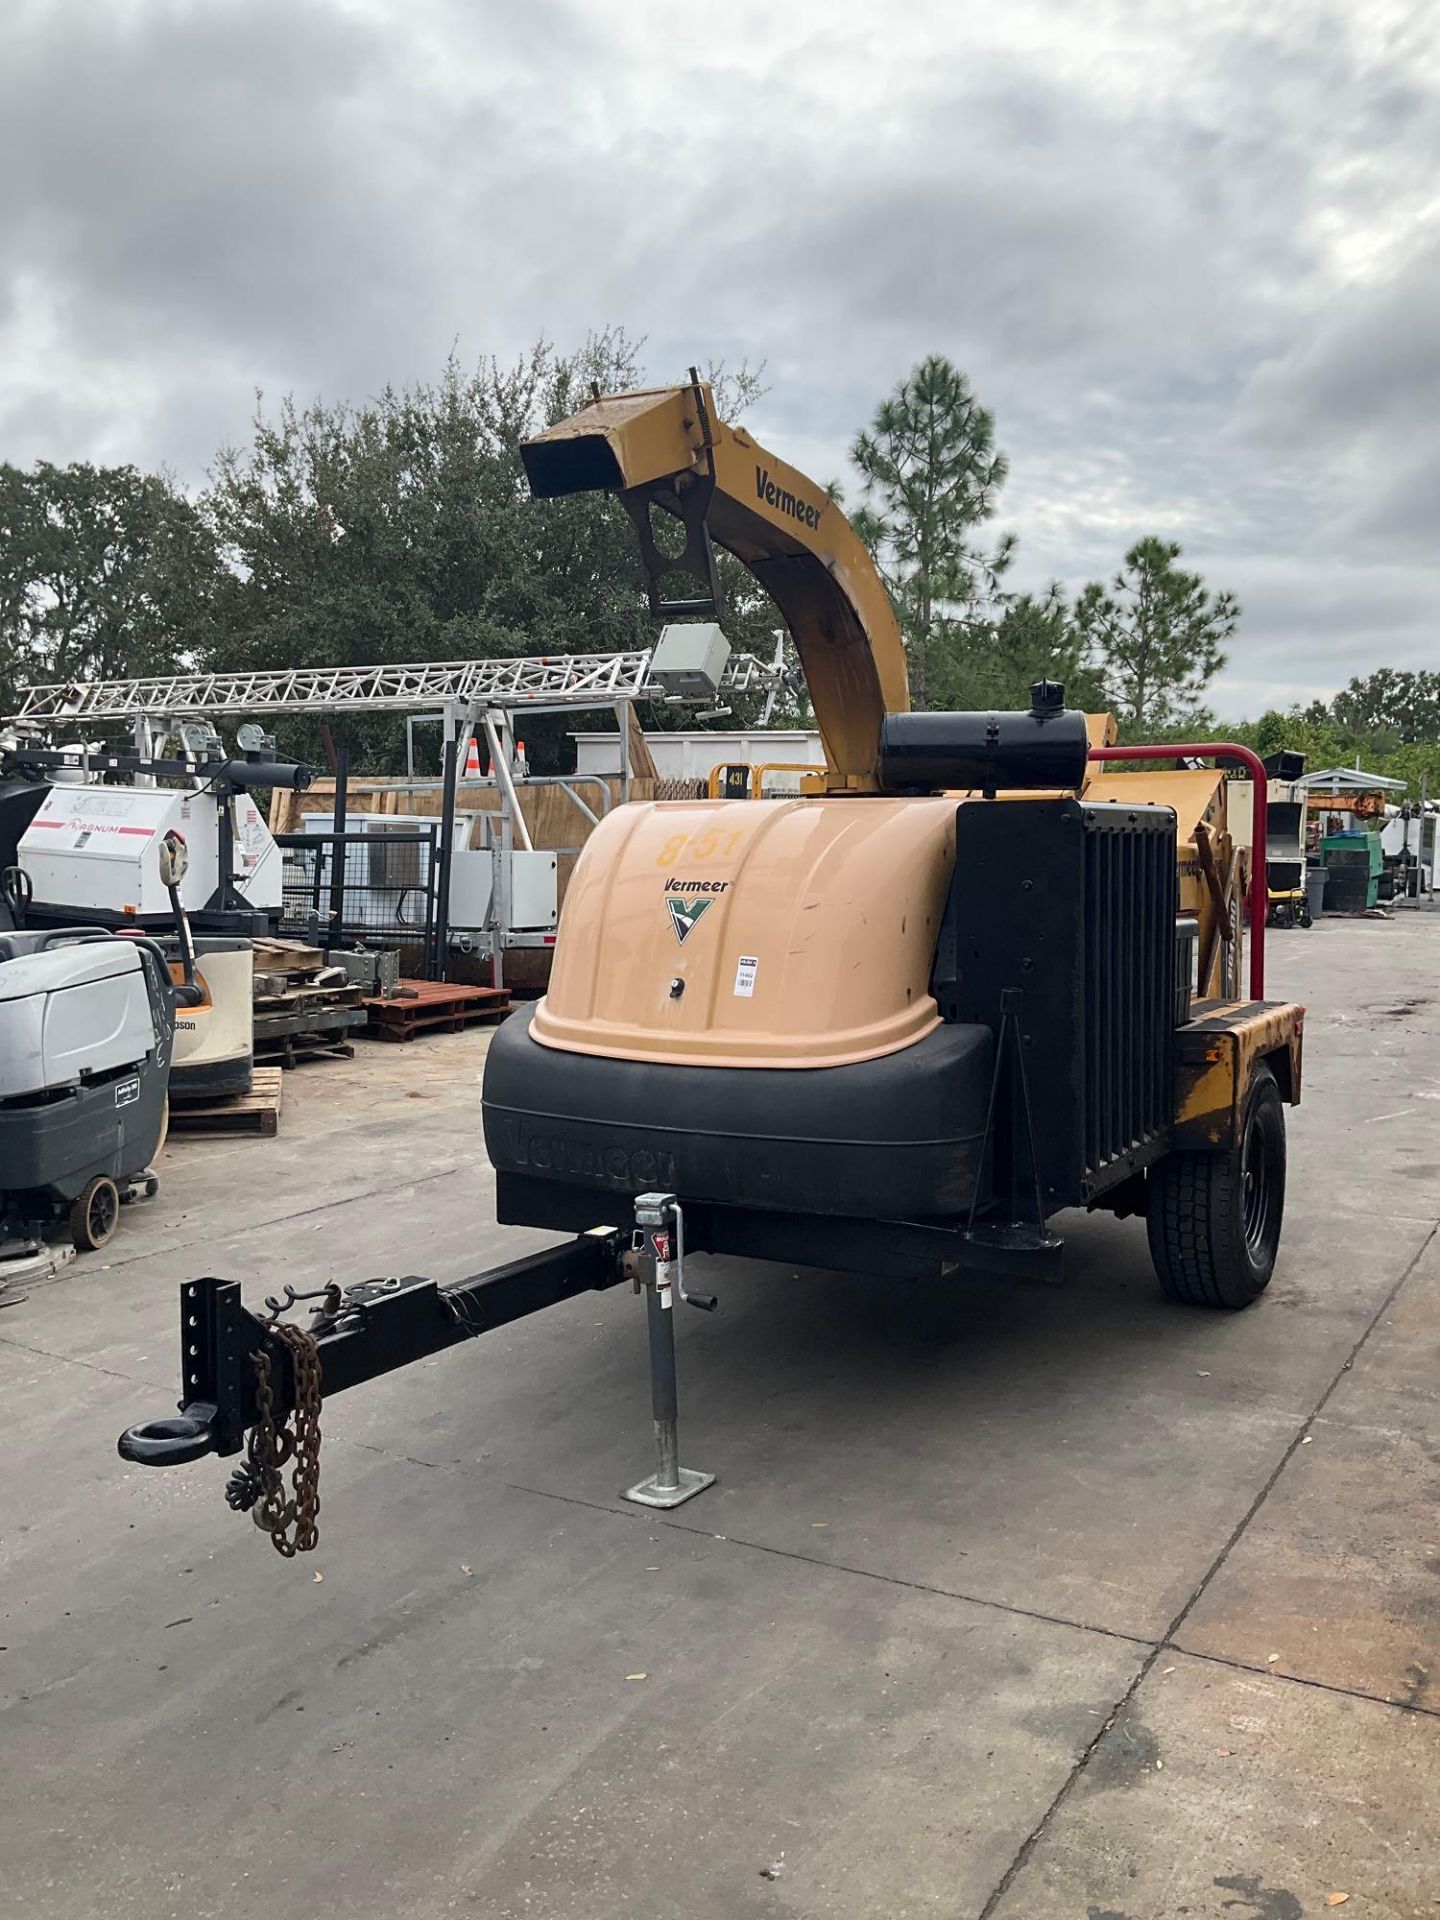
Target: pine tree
1156	635
931	474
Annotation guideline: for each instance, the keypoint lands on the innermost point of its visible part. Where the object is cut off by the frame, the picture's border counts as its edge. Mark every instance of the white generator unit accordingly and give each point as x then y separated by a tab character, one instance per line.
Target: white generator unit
97	849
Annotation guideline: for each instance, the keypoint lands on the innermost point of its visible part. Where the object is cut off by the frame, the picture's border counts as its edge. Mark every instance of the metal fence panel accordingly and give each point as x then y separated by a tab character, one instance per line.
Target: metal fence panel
383	890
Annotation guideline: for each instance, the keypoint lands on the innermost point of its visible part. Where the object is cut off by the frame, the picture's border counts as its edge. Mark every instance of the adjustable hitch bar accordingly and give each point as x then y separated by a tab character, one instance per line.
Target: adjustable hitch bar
371	1329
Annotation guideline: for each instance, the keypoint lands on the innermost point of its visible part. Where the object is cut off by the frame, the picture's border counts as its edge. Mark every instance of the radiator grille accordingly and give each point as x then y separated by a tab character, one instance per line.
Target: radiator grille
1130	903
1072	908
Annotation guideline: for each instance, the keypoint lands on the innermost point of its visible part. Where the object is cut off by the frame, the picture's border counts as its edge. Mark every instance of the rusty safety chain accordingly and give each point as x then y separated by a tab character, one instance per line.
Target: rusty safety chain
291	1523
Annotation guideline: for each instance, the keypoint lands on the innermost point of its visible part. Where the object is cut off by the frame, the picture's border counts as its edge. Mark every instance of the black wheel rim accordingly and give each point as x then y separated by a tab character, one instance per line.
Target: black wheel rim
104	1204
1257	1180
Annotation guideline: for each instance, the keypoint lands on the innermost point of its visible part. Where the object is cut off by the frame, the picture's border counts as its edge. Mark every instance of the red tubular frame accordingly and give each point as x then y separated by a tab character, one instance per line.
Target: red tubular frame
1258	896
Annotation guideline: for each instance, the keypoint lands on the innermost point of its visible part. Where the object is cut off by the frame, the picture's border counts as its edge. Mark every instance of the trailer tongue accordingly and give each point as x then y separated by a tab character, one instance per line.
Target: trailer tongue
255	1381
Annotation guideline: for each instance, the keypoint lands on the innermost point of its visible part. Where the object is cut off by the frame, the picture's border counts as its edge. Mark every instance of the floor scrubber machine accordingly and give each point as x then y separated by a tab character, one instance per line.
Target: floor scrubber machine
87	1025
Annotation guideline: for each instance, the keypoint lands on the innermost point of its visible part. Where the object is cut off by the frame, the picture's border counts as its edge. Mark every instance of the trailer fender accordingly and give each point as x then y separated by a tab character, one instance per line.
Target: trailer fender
1215	1058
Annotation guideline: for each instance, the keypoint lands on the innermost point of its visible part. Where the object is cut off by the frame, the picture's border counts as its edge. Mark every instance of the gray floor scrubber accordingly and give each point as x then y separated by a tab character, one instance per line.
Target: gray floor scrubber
87	1025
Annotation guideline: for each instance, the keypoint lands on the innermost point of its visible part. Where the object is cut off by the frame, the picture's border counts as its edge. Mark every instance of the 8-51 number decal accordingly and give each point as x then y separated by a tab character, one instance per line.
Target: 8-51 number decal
713	844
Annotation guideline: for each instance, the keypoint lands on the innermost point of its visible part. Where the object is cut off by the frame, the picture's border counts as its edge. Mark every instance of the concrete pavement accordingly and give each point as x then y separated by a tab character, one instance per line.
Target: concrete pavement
1019	1603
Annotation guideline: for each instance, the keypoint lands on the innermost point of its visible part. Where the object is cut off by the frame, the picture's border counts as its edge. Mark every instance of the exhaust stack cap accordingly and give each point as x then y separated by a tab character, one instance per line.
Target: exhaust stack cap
1047	697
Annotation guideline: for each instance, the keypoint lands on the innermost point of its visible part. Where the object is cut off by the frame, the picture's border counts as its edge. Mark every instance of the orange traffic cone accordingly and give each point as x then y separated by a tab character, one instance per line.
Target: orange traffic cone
472	759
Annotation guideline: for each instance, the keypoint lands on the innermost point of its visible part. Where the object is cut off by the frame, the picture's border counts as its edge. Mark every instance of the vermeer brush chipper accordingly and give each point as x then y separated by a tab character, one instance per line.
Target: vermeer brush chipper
896	1025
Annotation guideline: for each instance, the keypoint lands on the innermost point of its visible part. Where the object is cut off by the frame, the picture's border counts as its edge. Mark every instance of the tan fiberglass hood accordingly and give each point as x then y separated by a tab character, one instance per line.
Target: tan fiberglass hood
793	933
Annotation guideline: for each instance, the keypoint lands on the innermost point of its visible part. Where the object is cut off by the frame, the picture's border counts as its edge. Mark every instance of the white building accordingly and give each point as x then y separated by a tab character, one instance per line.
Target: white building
691	755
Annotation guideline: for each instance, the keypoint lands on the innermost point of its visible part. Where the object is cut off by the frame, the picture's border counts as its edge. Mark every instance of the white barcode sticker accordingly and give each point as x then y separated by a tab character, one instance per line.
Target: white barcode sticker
745	970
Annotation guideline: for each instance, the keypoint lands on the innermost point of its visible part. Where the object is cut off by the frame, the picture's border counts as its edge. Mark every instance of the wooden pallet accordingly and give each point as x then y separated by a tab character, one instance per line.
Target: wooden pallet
294	1034
287	956
255	1112
432	1006
289	1049
304	999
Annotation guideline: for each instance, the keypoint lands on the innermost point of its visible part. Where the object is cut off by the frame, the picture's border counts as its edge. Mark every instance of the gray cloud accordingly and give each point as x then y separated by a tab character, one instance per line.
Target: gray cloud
1194	268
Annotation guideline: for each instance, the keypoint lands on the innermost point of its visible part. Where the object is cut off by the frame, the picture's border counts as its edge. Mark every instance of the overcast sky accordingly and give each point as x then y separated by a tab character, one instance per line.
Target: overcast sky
1189	253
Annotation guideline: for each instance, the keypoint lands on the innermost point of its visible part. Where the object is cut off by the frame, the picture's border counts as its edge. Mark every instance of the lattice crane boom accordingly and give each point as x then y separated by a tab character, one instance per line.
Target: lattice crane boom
530	680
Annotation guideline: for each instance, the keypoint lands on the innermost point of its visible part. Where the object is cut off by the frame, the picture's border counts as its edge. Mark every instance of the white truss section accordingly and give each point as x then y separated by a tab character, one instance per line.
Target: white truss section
531	680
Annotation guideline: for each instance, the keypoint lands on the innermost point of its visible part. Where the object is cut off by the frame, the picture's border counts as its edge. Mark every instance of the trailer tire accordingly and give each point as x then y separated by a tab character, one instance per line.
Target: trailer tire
95	1215
1214	1218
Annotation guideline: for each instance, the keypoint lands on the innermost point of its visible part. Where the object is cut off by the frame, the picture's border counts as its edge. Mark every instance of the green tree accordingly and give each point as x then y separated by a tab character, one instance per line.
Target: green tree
1272	732
1156	636
1392	701
1033	638
931	473
401	529
105	572
404	530
1315	731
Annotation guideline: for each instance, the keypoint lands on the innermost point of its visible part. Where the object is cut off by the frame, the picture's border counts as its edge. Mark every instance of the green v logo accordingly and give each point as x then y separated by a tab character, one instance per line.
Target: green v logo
685	915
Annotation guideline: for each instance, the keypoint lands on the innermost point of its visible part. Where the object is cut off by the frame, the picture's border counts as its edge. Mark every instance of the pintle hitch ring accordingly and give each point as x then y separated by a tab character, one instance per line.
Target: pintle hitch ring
170	1442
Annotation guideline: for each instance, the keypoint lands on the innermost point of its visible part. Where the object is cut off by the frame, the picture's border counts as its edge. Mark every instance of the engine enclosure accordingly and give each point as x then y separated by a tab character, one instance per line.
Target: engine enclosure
820	1040
740	1012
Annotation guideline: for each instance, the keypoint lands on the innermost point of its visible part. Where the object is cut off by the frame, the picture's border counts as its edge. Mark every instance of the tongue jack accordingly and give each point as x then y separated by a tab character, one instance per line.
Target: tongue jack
657	1265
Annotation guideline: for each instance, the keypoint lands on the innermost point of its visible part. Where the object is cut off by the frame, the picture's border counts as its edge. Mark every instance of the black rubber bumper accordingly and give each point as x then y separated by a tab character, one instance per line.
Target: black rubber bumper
895	1138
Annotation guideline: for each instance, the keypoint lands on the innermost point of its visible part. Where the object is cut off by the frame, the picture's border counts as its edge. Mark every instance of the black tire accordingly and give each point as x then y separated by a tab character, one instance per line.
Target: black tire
1214	1218
95	1215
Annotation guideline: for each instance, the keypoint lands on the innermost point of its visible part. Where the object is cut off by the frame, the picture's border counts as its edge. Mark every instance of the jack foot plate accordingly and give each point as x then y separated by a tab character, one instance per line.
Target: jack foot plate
647	1494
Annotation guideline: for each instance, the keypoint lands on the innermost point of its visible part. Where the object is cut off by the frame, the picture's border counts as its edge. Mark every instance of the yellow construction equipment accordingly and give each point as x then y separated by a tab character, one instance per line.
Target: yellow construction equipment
909	1018
895	1025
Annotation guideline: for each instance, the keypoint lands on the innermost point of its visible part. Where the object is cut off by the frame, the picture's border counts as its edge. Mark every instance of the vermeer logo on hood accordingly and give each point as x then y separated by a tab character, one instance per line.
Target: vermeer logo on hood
685	915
